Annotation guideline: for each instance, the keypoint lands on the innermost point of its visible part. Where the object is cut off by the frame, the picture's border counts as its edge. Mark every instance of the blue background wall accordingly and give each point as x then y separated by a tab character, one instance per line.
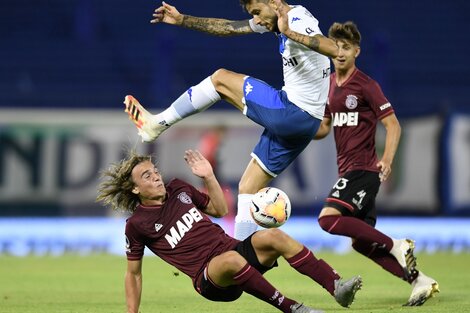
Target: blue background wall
89	54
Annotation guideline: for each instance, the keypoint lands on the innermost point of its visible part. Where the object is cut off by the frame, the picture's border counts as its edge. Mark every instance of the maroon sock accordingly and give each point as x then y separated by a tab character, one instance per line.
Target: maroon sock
383	258
318	270
252	282
355	228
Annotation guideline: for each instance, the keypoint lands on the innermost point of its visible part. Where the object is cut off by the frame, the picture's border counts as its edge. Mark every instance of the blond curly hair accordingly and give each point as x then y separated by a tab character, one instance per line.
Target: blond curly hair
116	189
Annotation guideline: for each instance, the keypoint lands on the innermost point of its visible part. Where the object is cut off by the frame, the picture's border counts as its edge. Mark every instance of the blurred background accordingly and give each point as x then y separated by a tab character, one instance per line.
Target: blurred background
65	67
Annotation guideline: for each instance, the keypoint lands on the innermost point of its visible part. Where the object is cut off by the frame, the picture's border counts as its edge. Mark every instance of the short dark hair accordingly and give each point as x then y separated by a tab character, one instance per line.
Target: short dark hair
346	31
243	3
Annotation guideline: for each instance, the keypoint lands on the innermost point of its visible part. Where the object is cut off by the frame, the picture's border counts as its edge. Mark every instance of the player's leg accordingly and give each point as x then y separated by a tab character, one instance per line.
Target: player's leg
349	205
288	130
271	243
223	84
230	268
253	179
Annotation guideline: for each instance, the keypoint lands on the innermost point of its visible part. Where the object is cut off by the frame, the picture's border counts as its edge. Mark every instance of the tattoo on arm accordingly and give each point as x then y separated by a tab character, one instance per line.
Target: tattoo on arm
216	26
311	42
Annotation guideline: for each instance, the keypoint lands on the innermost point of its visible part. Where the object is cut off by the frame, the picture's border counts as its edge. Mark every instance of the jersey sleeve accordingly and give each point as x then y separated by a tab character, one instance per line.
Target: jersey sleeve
134	245
257	28
200	199
377	101
303	22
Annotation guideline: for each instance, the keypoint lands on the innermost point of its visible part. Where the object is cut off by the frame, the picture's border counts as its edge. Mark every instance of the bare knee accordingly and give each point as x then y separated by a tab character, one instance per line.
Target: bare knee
232	261
219	78
275	238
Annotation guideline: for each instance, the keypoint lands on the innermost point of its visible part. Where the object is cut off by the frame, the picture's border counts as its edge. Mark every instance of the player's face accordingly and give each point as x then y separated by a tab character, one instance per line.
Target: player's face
148	182
347	54
263	15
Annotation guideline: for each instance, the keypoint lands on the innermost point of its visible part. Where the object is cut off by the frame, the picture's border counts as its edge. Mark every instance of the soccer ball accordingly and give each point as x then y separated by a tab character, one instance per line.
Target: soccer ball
270	207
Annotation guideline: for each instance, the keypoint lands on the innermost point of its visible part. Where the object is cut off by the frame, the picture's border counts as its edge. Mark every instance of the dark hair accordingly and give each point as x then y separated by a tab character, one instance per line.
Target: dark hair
116	190
346	31
243	3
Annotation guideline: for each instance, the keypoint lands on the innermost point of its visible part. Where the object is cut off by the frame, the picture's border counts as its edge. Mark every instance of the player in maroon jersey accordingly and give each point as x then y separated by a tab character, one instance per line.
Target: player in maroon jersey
355	105
172	221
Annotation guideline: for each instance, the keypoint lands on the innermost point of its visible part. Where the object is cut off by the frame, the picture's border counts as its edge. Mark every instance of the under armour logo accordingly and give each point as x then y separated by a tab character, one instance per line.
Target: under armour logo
248	88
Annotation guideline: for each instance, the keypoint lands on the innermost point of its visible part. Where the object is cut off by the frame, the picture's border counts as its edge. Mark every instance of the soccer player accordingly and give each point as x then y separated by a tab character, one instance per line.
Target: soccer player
290	116
355	105
172	221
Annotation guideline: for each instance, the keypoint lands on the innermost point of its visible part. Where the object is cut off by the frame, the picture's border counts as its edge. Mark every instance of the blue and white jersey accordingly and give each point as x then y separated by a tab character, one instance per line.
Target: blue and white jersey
306	72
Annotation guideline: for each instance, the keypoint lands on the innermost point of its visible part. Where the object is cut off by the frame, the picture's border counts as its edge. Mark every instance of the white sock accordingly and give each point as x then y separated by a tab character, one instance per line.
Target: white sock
244	224
194	100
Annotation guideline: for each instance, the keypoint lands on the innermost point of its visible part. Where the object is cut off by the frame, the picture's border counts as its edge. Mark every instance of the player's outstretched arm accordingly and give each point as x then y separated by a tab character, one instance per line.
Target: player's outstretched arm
318	43
201	167
215	26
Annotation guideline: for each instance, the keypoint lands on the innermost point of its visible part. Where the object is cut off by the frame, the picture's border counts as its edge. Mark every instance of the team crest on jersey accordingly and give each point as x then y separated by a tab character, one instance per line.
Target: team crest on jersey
183	197
351	102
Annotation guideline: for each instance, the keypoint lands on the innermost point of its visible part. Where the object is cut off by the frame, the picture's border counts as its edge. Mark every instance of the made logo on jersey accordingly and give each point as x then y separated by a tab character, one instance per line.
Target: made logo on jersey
345	119
183	197
183	225
351	102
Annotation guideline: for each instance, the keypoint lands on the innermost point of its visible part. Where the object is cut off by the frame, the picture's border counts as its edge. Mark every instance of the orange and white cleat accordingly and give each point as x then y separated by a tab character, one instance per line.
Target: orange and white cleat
148	126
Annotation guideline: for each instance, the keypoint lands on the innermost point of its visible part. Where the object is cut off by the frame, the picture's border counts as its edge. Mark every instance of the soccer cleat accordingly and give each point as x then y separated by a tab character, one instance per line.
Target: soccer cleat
147	125
402	250
345	290
424	288
300	308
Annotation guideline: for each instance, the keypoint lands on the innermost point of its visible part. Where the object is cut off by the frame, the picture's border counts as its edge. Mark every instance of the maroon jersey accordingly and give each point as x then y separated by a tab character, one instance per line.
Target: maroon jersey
355	108
177	231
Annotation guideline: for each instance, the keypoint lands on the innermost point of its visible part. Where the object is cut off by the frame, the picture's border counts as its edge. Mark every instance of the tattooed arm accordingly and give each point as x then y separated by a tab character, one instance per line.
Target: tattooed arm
318	43
215	26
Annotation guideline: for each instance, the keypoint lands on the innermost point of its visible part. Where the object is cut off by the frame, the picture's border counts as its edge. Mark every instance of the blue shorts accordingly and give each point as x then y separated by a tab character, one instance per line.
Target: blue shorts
287	128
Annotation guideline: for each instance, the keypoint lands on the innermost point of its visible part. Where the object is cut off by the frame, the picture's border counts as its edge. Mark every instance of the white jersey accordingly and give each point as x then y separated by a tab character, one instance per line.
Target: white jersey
306	72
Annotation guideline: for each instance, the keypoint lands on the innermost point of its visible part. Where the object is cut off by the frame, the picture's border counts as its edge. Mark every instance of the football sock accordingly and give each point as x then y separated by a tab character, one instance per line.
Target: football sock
194	100
383	258
318	270
244	223
252	282
355	228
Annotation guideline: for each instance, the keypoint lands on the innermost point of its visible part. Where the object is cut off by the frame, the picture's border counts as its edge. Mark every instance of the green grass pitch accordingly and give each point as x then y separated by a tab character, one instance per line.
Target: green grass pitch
96	284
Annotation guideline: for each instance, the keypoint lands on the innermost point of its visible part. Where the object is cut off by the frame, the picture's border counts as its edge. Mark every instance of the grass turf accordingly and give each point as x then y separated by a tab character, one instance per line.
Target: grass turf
96	284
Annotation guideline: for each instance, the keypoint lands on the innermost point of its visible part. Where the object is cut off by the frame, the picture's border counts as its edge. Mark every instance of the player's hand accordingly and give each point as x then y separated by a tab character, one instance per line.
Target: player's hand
281	12
385	170
167	14
198	164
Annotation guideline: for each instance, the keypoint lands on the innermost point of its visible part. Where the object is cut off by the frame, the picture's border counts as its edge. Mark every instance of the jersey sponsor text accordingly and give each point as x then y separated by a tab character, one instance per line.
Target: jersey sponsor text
345	118
182	226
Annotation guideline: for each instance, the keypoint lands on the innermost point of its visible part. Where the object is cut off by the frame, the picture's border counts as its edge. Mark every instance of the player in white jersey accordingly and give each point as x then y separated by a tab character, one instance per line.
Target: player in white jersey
291	116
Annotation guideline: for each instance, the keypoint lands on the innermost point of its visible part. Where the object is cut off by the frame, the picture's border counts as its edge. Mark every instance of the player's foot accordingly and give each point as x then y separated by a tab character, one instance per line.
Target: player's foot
345	290
300	308
402	250
424	288
149	128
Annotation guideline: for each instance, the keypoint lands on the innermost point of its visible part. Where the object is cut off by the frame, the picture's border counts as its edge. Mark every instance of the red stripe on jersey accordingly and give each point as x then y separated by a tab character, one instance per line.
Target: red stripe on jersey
345	204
